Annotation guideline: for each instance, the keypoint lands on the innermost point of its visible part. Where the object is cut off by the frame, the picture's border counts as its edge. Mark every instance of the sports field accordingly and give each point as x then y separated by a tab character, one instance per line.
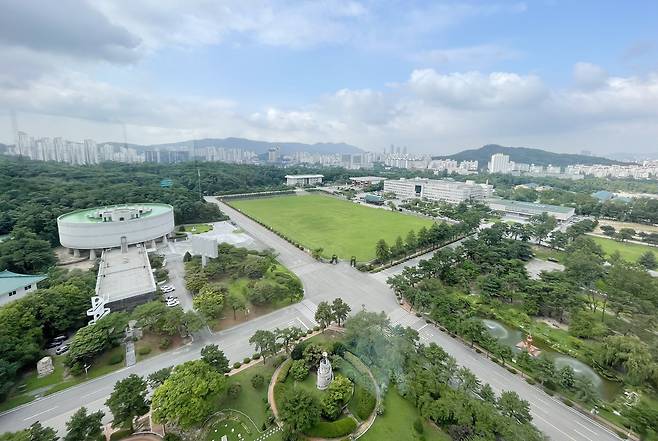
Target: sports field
629	251
337	226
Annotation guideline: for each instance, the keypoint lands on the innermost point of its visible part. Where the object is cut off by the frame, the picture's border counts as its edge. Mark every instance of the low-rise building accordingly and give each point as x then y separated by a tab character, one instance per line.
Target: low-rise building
437	189
13	286
526	210
301	180
365	181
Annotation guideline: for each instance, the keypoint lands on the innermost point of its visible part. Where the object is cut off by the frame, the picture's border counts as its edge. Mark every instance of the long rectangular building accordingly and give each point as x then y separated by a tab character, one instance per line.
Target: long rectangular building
437	190
525	210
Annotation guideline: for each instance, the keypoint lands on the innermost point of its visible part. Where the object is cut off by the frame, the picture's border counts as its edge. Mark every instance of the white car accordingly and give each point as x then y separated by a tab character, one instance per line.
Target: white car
173	302
166	289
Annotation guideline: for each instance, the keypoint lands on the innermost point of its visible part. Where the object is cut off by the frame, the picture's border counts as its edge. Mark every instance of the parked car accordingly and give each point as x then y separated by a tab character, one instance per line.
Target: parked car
62	349
53	344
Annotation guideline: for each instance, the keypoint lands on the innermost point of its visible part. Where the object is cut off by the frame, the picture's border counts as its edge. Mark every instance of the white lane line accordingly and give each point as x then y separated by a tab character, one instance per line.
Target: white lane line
37	414
584	436
556	428
423	327
585	427
302	323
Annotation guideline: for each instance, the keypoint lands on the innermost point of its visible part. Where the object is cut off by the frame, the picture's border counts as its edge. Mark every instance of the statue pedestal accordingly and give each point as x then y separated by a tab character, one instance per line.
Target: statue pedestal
45	367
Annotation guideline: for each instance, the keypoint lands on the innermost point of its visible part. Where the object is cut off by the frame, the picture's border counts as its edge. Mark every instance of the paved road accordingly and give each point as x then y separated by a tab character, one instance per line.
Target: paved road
321	282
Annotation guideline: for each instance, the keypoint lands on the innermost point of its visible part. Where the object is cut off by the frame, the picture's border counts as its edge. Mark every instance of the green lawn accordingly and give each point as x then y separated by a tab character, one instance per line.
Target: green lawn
397	422
629	251
339	227
198	228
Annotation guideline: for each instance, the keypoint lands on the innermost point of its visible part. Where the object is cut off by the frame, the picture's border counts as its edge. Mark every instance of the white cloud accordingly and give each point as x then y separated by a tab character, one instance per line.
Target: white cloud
589	76
471	57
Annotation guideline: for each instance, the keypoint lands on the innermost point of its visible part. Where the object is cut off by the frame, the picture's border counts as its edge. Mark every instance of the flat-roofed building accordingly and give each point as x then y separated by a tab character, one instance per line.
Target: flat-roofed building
437	189
364	181
301	180
524	210
13	286
125	278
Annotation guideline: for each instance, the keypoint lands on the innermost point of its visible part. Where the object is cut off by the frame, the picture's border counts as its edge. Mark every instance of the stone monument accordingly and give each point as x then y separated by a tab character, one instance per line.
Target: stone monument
325	374
45	367
528	346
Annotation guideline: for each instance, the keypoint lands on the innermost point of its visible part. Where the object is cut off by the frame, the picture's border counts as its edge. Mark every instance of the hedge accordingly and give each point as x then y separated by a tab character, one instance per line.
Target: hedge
120	434
283	373
144	350
363	402
334	429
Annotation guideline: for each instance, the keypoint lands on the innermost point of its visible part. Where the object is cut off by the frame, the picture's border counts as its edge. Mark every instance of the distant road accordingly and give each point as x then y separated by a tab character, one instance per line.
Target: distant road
322	282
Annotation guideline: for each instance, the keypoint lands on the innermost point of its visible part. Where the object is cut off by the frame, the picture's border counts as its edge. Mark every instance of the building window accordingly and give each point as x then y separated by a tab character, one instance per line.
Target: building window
12	293
28	287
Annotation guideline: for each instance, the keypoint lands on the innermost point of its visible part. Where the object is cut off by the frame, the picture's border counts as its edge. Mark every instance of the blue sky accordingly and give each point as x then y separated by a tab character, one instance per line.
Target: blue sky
434	76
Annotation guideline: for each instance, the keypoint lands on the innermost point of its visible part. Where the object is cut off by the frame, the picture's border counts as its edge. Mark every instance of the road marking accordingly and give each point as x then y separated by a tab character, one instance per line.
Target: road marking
302	323
37	414
585	427
423	327
556	428
584	436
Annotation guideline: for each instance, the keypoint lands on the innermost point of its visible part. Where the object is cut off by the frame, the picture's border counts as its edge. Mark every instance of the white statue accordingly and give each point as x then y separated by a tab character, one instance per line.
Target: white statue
325	374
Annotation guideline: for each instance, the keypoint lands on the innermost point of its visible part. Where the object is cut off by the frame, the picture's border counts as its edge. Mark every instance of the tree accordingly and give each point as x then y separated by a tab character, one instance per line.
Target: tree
340	310
648	260
423	236
299	370
324	315
25	253
83	426
186	397
411	241
335	396
210	301
625	234
566	377
288	335
236	302
299	411
487	394
512	406
608	230
398	248
128	401
92	340
382	252
264	342
542	225
234	390
36	432
158	377
195	280
215	357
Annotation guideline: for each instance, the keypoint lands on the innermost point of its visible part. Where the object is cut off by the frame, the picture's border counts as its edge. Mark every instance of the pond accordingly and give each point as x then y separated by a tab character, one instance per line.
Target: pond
607	389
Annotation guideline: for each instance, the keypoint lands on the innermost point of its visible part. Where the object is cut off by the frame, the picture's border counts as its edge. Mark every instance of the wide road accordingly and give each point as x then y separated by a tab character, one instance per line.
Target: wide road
322	282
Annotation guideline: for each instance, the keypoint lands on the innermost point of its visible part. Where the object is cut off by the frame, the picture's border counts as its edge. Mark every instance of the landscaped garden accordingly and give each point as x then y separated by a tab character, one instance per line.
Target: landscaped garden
195	228
239	285
337	226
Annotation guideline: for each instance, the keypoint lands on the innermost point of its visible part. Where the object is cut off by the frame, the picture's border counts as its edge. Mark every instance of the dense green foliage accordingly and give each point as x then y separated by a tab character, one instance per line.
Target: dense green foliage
28	323
428	377
128	401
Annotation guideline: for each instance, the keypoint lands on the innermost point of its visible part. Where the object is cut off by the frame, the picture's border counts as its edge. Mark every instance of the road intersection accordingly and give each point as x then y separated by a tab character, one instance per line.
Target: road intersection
322	282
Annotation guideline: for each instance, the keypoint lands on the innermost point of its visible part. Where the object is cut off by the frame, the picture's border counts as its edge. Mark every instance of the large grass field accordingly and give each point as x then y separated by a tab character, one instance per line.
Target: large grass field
337	226
629	251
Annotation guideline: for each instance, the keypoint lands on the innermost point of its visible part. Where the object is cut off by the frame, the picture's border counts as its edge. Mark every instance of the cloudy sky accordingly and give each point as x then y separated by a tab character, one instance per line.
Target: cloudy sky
434	76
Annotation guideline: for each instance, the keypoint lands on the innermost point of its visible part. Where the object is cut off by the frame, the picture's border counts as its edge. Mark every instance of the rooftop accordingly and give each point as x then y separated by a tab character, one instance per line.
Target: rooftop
121	276
88	215
367	178
303	176
10	281
531	206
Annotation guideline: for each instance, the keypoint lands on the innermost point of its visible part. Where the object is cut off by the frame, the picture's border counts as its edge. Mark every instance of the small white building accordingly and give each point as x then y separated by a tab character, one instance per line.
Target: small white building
302	180
13	286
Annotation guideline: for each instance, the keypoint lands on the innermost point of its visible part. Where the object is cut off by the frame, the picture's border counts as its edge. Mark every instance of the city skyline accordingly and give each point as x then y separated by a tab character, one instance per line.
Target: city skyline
437	77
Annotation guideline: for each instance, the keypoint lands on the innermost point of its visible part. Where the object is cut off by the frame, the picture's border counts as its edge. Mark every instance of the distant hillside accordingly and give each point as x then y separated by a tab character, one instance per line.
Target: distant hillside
256	146
526	155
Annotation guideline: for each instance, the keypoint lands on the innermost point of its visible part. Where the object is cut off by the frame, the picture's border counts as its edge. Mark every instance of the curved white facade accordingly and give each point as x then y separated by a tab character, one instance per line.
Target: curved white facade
104	227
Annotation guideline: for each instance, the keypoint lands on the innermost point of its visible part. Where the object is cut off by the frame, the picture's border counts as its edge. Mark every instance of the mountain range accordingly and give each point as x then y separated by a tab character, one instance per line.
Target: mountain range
526	155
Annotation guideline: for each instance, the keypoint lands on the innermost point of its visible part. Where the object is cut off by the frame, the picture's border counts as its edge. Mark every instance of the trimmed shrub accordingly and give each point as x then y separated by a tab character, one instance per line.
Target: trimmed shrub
256	356
297	352
622	435
567	402
418	426
363	402
530	381
511	370
316	328
246	360
549	392
257	381
144	350
236	365
278	360
234	390
334	429
283	373
165	342
116	358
